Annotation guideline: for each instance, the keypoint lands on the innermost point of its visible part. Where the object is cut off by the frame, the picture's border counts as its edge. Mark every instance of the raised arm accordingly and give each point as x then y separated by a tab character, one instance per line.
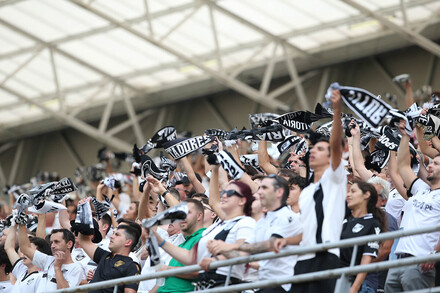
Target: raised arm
41	226
423	144
358	159
263	159
395	176
404	159
198	187
10	245
182	255
64	219
336	134
409	99
85	241
24	243
158	188
214	192
143	210
245	178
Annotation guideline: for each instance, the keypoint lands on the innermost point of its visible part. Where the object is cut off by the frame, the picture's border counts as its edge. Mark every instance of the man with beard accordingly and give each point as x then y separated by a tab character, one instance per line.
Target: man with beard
422	212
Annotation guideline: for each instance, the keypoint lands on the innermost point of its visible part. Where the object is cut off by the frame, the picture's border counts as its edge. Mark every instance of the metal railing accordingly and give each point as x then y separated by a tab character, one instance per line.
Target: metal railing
352	270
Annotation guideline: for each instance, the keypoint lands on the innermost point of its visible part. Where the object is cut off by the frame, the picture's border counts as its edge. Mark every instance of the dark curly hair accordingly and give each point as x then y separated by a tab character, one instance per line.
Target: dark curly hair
245	190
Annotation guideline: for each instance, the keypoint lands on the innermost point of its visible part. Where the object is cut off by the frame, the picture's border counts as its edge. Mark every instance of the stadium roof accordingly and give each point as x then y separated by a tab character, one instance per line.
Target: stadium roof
60	58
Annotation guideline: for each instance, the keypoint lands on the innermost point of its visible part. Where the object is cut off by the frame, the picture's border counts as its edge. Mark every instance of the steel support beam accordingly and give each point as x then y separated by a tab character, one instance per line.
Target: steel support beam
140	139
71	150
431	69
75	123
217	114
126	124
38	150
67	55
237	85
3	181
293	72
268	73
292	84
323	85
176	9
257	28
55	79
161	118
215	36
403	10
15	163
179	23
6	146
388	76
257	44
107	111
406	33
148	17
38	49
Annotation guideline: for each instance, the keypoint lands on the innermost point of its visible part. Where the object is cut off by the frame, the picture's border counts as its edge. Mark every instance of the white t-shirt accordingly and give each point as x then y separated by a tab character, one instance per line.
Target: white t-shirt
334	188
424	211
6	287
281	222
73	272
240	227
25	282
147	285
104	243
124	204
80	256
208	234
395	205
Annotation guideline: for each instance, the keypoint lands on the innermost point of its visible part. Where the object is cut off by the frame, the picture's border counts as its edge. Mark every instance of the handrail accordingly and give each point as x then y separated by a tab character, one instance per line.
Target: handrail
270	255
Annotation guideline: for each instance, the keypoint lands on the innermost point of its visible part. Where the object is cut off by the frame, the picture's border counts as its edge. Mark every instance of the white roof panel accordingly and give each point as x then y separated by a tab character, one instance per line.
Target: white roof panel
103	52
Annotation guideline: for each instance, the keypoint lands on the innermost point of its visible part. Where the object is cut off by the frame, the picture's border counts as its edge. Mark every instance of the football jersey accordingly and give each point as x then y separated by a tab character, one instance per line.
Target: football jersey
357	227
25	282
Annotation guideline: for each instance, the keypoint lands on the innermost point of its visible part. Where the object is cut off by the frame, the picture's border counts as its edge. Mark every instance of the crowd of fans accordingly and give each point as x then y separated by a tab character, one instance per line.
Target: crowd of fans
239	195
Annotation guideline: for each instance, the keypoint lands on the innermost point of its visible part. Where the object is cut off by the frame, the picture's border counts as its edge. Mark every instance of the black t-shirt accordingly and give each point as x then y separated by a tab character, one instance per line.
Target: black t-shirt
112	267
357	227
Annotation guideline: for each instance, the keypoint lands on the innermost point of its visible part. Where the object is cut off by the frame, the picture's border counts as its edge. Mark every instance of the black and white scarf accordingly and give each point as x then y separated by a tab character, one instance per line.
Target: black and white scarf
261	119
180	148
369	107
149	167
163	135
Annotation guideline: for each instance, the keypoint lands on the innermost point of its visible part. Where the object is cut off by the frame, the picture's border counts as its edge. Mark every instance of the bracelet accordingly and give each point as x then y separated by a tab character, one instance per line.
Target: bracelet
163	194
160	245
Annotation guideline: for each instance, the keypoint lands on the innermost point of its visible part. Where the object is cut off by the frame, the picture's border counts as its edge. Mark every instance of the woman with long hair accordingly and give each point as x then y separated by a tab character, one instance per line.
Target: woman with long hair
365	219
233	205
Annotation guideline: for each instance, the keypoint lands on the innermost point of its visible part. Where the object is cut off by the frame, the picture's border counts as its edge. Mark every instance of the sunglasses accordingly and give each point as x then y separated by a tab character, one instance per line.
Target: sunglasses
230	193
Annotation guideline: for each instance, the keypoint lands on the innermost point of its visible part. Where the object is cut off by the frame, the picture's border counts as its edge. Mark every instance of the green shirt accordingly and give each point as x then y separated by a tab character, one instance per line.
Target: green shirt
174	284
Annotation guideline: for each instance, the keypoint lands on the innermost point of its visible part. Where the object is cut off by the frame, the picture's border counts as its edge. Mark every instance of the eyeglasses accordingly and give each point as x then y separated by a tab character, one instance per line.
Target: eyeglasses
230	193
207	208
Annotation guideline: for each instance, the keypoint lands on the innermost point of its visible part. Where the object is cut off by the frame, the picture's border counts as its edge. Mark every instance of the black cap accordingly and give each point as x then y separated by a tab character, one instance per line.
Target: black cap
86	230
